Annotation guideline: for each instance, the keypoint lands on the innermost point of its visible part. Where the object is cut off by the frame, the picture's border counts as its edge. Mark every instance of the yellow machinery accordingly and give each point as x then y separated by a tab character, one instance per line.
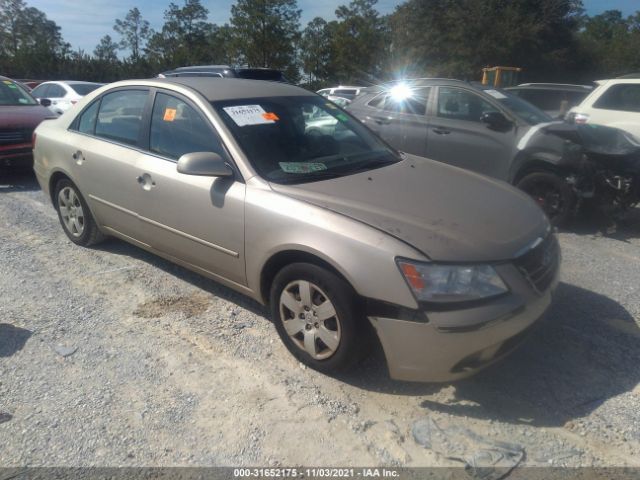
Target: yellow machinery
500	76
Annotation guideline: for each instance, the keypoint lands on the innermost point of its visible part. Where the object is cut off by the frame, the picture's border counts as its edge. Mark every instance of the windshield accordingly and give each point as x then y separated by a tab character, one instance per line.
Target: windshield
302	139
85	88
519	107
12	93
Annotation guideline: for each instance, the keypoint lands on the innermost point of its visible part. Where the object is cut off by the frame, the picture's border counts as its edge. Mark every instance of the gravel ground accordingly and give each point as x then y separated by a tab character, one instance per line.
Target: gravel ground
114	357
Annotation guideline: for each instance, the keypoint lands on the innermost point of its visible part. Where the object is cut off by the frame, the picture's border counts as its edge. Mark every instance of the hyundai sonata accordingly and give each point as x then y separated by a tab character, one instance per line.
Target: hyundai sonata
346	240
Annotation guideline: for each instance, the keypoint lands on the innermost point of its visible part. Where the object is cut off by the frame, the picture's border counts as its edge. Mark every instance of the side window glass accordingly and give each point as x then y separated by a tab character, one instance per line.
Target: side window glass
413	102
623	97
87	121
177	128
56	91
458	104
120	116
378	102
41	91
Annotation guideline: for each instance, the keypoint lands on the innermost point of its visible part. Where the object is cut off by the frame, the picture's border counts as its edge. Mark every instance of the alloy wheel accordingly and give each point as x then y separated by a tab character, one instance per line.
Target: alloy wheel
310	319
71	211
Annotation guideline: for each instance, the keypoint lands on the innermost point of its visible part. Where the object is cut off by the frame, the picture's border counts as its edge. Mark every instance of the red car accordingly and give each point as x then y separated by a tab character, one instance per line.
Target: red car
20	114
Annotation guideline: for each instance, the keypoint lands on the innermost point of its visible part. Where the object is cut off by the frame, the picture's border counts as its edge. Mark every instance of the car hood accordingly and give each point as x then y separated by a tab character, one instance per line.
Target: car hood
20	116
445	212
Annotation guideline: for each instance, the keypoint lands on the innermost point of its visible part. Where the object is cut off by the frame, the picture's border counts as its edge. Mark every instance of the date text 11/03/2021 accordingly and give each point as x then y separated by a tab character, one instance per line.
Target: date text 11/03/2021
311	473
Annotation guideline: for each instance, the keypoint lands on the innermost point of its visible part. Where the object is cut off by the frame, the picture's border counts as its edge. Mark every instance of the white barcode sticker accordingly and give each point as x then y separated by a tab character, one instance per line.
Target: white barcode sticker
245	115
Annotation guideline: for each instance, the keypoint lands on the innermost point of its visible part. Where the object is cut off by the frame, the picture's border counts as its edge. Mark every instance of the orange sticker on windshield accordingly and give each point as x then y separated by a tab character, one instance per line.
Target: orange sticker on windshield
270	116
169	114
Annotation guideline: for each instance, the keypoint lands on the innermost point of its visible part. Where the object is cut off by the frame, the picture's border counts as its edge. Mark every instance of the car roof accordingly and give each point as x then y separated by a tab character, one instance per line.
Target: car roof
80	82
553	86
425	82
612	81
214	89
215	68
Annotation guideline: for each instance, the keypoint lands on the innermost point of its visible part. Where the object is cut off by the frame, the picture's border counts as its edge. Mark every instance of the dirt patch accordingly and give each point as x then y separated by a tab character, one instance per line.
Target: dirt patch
189	306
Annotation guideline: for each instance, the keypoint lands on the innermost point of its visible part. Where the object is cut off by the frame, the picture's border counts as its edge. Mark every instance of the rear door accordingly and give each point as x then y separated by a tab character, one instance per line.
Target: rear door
400	119
458	137
105	151
196	219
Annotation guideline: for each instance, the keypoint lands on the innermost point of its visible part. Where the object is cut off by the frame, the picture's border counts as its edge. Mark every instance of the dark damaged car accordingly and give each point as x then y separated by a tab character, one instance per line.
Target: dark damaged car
477	128
20	114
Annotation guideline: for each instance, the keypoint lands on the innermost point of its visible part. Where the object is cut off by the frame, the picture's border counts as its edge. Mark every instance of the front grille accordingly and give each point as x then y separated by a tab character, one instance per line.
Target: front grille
540	264
15	135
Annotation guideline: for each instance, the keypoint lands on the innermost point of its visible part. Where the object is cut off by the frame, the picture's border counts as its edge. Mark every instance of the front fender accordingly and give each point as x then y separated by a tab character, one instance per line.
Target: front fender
363	255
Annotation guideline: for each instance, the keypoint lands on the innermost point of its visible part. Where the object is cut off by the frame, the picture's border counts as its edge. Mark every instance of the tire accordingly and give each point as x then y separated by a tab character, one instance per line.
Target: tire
552	193
348	325
74	215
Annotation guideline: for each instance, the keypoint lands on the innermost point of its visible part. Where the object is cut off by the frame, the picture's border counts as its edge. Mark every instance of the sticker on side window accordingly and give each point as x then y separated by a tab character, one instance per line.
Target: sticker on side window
302	167
496	94
244	115
169	114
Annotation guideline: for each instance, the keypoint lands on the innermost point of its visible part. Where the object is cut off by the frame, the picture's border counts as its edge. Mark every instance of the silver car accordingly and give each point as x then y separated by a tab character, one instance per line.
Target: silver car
347	241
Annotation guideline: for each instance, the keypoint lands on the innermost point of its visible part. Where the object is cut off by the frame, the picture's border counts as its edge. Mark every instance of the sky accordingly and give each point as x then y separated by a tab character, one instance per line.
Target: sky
85	22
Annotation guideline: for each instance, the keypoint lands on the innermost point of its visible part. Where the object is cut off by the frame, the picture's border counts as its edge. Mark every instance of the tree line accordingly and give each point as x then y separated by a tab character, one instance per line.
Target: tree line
552	40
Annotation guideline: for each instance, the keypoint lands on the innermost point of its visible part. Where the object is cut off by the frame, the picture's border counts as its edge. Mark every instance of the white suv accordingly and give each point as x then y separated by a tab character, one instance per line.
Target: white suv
614	103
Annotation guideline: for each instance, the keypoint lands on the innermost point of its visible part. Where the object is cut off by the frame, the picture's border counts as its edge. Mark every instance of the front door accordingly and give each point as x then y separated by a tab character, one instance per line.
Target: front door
196	219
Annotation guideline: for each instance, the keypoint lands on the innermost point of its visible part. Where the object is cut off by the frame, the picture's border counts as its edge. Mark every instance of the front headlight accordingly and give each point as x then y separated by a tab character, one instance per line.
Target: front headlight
451	283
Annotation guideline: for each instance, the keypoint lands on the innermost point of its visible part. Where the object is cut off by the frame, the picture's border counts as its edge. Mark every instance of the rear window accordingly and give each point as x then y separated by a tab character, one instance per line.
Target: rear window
84	88
624	97
12	93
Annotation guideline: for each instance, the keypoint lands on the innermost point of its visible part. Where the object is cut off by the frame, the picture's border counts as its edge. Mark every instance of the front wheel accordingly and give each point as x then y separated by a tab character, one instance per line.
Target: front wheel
552	193
317	317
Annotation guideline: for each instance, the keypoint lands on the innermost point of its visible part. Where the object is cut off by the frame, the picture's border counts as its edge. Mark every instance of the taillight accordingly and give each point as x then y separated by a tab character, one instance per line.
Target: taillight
33	139
580	118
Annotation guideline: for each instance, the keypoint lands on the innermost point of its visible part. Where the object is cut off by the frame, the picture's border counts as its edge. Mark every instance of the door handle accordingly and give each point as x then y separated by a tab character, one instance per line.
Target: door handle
441	131
145	181
78	157
382	120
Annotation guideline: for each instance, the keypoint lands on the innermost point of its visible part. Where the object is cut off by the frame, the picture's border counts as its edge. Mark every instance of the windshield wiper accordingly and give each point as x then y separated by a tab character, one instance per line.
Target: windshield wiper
310	177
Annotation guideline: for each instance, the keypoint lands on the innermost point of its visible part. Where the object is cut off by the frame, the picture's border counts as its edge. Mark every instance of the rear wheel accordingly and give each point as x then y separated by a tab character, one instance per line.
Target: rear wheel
552	193
317	317
74	215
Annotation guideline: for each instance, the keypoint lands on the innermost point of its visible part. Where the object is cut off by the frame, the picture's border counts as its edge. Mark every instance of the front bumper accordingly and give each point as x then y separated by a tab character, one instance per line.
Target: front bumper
16	155
450	345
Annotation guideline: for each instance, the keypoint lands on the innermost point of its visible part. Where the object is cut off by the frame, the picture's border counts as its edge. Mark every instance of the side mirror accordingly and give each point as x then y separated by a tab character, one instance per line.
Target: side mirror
45	102
207	164
495	120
